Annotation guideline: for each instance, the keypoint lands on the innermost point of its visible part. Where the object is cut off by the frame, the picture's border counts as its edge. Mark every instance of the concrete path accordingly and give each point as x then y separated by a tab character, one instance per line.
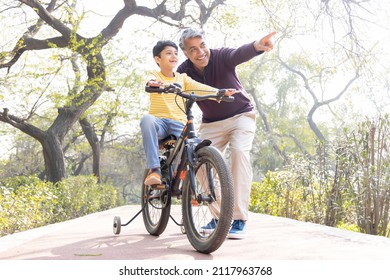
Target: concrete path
269	238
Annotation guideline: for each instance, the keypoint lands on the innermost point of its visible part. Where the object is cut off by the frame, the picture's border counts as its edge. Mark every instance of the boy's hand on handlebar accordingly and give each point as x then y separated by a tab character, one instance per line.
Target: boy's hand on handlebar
154	83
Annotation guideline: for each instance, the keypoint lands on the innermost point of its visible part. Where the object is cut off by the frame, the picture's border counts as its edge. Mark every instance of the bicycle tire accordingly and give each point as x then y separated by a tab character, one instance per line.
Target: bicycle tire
197	213
156	208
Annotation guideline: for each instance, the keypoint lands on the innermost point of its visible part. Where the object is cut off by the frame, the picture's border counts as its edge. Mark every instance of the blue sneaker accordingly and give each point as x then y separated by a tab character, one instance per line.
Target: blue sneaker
210	227
238	230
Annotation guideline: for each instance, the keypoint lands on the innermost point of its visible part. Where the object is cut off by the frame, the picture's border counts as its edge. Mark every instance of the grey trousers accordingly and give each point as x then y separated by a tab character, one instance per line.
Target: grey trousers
237	134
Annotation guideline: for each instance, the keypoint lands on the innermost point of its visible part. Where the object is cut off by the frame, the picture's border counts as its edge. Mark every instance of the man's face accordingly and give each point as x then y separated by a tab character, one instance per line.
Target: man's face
196	50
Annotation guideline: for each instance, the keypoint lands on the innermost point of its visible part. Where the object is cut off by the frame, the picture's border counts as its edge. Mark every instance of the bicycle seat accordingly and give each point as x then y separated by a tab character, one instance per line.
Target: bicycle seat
167	142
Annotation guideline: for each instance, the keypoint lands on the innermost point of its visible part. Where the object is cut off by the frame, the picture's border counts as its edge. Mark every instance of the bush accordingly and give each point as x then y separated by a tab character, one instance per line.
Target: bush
82	195
27	202
277	195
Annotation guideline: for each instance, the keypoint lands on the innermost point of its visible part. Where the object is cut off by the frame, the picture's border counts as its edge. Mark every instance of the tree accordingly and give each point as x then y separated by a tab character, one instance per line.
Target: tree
90	50
325	44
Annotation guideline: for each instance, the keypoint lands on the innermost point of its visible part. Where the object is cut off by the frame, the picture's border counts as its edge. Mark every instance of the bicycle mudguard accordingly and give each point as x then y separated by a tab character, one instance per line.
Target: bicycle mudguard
192	146
202	144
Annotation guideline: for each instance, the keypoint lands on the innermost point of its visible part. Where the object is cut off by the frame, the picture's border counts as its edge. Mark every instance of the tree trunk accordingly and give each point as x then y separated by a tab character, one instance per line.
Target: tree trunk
95	145
334	203
54	158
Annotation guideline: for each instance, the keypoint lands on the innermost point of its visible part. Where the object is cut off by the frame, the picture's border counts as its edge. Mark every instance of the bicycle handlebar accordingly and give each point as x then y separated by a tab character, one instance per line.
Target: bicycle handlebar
176	88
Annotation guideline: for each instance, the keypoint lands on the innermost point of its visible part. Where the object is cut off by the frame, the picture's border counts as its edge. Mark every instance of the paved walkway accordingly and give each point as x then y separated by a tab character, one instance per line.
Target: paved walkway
269	238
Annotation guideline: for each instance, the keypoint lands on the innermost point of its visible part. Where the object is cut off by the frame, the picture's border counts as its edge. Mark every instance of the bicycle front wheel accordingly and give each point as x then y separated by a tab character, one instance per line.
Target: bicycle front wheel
211	199
156	205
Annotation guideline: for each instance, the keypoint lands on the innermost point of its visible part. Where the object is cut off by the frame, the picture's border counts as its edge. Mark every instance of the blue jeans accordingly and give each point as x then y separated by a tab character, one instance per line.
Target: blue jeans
154	129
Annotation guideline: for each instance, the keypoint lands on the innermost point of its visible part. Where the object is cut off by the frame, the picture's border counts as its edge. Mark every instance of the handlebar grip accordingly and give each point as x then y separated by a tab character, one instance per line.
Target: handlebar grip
227	98
171	88
154	89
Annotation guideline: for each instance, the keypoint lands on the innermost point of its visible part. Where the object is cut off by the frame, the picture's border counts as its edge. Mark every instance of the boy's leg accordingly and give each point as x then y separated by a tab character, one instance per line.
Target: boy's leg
152	130
173	127
150	127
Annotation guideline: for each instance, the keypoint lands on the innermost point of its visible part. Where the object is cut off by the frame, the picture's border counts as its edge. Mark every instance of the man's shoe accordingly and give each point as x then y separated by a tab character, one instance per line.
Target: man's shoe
238	230
153	179
210	227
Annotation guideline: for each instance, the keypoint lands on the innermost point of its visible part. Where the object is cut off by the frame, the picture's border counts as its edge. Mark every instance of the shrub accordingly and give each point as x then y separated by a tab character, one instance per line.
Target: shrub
27	202
277	195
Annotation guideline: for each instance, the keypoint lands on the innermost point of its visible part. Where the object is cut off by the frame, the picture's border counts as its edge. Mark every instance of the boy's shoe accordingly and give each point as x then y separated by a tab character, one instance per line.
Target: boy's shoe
153	179
238	230
210	227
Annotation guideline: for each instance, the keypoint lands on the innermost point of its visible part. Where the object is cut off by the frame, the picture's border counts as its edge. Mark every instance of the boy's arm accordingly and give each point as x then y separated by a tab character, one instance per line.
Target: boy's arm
202	89
153	80
198	88
151	76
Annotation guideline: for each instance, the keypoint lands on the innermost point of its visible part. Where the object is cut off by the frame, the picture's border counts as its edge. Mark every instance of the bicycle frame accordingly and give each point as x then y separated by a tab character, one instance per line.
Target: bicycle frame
191	169
190	141
187	138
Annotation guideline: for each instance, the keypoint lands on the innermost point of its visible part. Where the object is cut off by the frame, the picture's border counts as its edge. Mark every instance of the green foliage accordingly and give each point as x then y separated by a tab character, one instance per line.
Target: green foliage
81	195
229	18
348	226
285	194
27	202
369	169
344	185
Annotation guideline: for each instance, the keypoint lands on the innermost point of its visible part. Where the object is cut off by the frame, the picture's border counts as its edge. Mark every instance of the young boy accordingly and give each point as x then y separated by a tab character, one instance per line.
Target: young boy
165	117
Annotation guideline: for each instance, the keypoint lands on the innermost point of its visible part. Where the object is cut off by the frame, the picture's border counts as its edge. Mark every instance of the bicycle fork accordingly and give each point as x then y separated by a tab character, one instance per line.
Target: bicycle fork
192	162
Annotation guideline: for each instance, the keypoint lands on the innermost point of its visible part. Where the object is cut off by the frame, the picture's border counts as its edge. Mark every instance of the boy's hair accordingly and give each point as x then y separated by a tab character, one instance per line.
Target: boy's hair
160	45
190	33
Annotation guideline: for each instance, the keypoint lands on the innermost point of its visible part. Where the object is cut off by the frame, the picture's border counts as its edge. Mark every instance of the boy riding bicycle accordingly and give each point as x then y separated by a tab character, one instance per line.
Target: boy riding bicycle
165	116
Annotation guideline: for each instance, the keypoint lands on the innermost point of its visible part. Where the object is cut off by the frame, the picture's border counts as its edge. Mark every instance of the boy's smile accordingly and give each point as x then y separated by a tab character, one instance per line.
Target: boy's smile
167	60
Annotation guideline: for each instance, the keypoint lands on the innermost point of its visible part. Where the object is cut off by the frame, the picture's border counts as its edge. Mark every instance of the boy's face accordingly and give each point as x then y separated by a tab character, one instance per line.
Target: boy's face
168	58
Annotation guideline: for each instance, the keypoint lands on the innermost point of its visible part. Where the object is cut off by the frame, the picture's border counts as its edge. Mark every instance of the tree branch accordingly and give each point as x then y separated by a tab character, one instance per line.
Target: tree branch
22	125
159	12
303	77
48	18
19	48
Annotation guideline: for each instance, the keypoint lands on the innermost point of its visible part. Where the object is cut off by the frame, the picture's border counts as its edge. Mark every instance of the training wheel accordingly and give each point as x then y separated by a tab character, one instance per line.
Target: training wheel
182	228
117	225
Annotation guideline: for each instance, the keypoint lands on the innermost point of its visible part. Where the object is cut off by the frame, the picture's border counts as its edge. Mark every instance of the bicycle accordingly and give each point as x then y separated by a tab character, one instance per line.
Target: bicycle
195	172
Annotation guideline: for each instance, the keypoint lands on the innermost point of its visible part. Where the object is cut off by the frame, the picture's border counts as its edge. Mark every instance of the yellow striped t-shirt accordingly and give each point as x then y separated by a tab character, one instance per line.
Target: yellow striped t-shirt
166	105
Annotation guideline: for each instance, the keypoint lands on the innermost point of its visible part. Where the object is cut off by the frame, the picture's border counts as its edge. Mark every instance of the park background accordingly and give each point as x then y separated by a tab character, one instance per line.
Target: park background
71	95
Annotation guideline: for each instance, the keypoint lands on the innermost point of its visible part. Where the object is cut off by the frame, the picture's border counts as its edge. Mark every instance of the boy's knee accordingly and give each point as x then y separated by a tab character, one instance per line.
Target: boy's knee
147	120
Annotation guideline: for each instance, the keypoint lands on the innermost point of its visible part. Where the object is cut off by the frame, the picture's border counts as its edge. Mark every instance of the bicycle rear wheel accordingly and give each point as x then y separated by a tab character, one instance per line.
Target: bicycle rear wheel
212	199
156	205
